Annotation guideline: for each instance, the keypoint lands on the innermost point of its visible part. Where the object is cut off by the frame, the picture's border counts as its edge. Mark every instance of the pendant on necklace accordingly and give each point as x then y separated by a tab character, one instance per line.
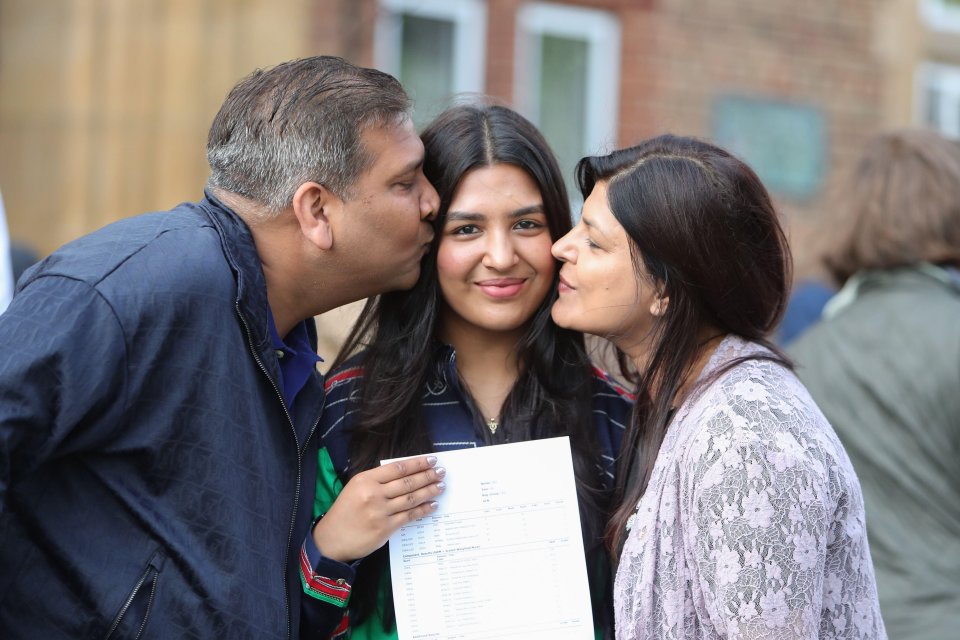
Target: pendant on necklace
492	424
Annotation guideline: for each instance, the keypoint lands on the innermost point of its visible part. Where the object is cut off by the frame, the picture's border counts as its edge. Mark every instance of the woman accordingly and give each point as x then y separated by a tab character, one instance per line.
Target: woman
739	515
467	358
883	366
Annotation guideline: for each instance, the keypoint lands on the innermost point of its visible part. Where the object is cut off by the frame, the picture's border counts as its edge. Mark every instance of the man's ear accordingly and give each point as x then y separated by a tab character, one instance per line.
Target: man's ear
312	205
659	306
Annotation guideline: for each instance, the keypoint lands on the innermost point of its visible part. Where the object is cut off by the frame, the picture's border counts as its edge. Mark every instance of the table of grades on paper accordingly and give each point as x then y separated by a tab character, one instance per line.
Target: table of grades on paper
502	557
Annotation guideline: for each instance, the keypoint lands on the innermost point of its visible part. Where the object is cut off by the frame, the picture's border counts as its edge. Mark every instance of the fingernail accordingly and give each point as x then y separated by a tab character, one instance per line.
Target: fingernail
440	471
431	460
434	505
441	485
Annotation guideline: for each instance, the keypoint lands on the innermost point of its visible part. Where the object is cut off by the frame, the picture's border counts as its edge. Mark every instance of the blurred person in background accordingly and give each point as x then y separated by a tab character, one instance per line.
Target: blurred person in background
884	366
15	258
804	309
6	261
159	397
467	358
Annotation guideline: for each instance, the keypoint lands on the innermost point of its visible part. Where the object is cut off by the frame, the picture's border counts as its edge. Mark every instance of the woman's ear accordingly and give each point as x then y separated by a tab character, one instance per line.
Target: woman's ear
659	306
312	205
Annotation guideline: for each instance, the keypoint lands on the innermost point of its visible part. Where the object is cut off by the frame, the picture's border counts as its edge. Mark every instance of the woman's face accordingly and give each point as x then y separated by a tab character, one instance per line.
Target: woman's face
600	290
494	264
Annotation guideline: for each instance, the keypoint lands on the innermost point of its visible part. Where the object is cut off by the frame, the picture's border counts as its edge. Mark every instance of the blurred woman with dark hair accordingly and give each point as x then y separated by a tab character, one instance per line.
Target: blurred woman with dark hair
884	365
739	514
469	357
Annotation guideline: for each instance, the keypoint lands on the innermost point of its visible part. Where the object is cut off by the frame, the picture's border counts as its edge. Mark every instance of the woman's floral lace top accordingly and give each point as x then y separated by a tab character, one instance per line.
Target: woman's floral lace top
752	525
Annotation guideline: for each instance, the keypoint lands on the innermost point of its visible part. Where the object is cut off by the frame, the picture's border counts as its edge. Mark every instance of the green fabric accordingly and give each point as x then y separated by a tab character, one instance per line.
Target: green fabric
329	487
885	370
372	627
328	484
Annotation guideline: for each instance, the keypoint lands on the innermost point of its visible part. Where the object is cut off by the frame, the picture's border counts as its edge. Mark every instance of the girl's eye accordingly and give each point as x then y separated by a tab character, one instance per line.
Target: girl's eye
592	244
528	224
405	186
465	230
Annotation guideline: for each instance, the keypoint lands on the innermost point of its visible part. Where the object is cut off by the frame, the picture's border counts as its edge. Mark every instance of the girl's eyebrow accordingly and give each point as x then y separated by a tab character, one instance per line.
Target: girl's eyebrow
526	211
469	216
465	216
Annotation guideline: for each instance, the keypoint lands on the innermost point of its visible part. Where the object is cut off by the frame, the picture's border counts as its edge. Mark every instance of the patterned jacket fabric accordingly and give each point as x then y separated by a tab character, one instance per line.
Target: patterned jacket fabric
153	484
452	426
752	525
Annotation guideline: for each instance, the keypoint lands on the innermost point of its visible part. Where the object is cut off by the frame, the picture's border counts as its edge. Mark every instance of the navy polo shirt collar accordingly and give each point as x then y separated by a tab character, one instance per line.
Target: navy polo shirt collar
296	358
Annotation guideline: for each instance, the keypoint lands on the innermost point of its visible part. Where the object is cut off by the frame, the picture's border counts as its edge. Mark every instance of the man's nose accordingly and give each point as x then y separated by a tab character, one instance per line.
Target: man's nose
429	202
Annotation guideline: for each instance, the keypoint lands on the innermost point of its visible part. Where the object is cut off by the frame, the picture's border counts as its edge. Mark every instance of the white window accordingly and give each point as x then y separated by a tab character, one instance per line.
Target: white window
436	48
567	77
941	15
938	98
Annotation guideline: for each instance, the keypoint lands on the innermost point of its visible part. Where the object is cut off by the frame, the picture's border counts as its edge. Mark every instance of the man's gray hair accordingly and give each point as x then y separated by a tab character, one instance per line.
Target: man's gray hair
297	122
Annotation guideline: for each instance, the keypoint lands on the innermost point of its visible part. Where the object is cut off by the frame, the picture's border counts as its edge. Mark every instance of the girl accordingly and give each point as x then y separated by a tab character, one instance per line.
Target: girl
467	358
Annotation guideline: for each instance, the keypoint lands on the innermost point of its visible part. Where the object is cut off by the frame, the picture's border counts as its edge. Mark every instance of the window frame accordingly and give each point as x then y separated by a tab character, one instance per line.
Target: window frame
469	18
602	32
946	78
939	16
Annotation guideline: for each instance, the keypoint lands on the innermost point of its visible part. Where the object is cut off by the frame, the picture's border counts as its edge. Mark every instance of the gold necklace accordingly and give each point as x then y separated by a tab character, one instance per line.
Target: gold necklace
492	424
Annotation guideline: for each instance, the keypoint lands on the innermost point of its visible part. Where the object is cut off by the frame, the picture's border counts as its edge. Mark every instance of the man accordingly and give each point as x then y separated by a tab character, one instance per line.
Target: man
157	435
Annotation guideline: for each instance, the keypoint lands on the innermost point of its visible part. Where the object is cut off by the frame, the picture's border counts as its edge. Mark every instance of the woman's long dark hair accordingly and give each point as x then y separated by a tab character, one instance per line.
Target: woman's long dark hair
551	397
705	235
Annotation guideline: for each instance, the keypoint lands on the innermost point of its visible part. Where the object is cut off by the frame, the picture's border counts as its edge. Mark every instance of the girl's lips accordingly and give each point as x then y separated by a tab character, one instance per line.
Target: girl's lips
564	286
501	287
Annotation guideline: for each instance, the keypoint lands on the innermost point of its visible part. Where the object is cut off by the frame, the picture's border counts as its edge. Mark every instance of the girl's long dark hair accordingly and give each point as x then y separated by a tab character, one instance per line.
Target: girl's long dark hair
397	334
705	235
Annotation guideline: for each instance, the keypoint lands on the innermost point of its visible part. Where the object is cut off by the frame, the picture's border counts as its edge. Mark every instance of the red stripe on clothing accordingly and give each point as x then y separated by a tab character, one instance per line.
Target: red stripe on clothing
346	374
603	375
342	628
337	589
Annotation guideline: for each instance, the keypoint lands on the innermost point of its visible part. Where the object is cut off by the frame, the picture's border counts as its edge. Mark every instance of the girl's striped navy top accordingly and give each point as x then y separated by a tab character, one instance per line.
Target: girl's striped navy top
451	419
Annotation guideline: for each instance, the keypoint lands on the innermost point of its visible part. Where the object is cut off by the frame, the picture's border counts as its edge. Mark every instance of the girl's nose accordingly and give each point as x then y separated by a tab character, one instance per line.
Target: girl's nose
500	253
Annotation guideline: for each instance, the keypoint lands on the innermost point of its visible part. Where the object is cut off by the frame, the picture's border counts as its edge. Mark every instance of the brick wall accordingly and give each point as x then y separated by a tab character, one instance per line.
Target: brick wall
679	55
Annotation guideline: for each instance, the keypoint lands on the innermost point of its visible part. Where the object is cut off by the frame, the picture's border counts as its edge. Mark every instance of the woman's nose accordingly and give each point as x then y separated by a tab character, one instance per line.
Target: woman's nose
563	249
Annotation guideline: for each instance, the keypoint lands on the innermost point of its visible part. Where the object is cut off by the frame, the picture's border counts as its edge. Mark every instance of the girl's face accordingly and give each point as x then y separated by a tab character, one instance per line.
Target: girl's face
494	264
600	290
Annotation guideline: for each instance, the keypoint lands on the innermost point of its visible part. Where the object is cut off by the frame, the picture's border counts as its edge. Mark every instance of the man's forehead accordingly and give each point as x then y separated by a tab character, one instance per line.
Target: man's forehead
388	130
395	142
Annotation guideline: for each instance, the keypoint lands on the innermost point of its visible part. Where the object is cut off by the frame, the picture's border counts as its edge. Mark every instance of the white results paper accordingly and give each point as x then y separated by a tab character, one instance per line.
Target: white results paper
502	556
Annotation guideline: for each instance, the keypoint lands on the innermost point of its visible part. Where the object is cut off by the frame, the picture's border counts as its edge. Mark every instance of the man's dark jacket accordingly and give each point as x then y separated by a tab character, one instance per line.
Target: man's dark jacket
152	483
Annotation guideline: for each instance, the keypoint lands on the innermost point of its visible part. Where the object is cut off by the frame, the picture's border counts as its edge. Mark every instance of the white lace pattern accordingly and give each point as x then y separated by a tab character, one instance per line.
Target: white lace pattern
752	525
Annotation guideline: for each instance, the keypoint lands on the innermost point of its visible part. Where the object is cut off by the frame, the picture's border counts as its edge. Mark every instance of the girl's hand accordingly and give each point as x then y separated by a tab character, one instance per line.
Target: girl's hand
375	503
